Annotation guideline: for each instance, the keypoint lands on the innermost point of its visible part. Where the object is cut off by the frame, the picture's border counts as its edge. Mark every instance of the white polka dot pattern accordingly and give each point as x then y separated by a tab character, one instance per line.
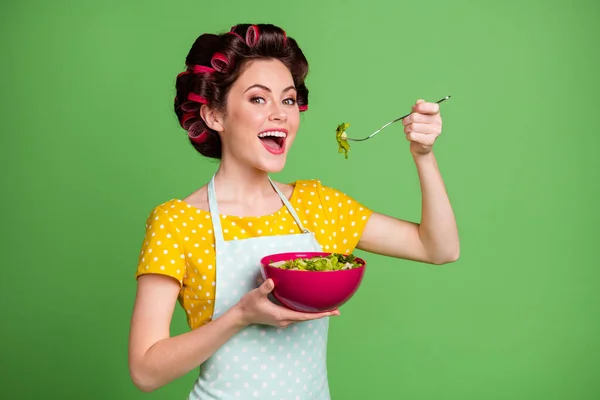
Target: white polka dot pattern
262	361
186	233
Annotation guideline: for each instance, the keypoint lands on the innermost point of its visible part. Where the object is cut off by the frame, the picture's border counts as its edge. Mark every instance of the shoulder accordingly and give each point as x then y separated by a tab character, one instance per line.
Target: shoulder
309	185
288	189
167	206
316	188
198	199
313	194
334	200
168	212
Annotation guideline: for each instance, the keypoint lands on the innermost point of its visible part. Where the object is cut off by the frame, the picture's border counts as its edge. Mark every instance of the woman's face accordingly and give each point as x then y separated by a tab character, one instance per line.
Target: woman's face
262	117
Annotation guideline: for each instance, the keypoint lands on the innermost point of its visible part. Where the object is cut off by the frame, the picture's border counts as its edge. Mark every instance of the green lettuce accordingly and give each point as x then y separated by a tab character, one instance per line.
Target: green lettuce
340	137
332	262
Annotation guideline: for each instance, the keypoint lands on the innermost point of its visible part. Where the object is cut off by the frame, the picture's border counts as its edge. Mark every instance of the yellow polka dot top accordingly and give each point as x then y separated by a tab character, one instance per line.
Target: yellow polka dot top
179	240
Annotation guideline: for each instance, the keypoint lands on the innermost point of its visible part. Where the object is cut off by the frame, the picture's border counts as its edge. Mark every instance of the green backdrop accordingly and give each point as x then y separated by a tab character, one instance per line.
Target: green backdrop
90	145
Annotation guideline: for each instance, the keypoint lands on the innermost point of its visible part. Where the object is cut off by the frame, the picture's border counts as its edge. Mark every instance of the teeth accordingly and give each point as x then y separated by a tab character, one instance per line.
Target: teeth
272	133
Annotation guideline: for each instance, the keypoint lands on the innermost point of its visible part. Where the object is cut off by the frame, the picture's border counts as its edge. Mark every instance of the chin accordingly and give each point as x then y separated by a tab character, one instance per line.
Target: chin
273	161
273	166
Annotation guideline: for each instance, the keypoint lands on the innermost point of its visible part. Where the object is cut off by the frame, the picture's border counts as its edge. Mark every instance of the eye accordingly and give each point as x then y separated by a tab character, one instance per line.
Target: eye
257	100
289	102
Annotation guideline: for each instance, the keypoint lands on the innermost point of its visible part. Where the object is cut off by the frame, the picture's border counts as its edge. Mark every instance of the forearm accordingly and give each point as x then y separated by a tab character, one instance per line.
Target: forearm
437	230
173	357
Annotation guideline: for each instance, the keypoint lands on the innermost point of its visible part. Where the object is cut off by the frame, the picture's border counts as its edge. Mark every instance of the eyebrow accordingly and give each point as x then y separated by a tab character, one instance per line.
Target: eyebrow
269	90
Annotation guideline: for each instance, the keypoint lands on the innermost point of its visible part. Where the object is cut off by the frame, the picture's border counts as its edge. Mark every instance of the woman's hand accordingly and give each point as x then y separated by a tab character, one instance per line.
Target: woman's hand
422	127
256	308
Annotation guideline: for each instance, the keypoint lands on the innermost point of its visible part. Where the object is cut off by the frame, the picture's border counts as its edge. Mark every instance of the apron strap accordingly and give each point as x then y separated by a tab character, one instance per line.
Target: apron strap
216	218
289	207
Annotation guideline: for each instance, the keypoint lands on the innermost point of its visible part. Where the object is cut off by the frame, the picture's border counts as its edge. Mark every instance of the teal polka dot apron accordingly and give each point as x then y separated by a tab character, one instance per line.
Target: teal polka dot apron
261	361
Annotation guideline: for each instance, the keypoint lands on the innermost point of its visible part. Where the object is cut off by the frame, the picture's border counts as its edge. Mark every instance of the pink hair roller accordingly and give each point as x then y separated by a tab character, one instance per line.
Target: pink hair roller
252	35
233	32
189	106
196	98
186	117
200	69
219	62
303	108
197	132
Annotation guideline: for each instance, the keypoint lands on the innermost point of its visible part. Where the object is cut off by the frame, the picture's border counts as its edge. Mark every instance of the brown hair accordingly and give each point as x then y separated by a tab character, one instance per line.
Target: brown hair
215	62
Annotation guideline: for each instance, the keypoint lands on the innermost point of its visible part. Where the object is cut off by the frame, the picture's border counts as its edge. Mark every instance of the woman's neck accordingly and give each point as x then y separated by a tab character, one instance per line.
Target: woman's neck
240	184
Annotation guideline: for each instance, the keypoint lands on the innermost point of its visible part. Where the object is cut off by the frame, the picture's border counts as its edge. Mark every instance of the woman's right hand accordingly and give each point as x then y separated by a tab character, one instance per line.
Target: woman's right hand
256	308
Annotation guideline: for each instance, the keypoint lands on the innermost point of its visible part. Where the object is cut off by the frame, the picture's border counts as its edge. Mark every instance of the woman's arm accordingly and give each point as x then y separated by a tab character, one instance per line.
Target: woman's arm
156	359
435	239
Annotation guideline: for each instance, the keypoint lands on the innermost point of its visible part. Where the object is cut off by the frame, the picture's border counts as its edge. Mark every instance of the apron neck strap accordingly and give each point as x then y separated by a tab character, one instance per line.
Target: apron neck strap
289	207
214	214
216	218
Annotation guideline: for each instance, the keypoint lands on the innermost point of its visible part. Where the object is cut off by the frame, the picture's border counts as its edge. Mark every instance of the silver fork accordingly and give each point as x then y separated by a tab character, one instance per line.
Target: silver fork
388	124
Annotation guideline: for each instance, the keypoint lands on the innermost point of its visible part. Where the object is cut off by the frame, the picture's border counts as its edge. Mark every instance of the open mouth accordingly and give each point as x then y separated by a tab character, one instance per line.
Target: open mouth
273	141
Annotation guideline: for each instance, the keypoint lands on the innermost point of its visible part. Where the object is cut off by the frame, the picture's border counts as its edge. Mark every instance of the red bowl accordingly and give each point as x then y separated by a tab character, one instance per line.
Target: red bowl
311	291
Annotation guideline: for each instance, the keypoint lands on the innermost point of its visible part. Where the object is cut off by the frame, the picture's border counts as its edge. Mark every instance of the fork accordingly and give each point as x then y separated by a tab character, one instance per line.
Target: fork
388	124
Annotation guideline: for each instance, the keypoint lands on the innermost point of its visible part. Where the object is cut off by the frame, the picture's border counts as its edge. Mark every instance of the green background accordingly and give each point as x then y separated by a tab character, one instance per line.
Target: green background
90	144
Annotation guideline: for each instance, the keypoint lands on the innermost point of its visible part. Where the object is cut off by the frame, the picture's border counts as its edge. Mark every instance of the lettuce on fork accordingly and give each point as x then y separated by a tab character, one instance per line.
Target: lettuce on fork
340	137
332	262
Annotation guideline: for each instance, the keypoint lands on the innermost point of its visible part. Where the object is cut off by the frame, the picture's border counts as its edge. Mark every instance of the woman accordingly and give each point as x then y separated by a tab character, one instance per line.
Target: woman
239	101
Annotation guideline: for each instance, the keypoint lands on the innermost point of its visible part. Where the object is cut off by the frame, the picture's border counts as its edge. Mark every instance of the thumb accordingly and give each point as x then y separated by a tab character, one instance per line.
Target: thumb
266	287
414	108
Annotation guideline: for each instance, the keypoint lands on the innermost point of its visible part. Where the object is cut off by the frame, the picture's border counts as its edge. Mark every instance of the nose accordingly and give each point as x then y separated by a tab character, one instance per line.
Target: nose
278	113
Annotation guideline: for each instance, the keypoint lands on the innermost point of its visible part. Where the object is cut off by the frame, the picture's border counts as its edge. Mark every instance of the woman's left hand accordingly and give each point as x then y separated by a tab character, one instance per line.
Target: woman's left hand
422	127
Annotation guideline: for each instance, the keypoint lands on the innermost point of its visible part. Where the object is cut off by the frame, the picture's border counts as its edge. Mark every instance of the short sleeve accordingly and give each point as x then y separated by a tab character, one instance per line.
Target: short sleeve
346	217
161	251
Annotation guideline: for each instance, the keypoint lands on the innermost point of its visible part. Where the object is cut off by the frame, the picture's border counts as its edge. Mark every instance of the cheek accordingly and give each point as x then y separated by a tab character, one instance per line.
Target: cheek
294	121
242	123
250	118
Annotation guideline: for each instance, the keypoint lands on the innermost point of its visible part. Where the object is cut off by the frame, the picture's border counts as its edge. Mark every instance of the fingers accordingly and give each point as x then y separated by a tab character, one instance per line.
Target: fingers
266	287
421	118
280	316
429	129
424	107
285	317
295	316
424	124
